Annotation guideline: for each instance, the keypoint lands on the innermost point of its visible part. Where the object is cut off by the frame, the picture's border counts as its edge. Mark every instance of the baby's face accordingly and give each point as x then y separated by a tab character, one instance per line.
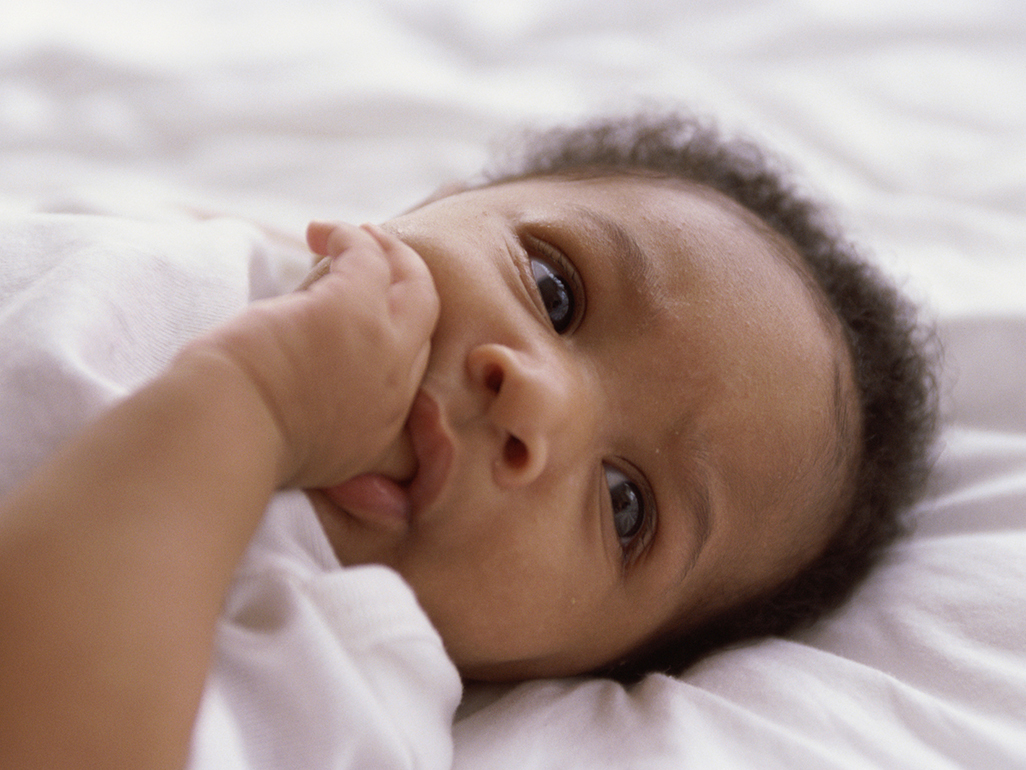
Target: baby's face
630	405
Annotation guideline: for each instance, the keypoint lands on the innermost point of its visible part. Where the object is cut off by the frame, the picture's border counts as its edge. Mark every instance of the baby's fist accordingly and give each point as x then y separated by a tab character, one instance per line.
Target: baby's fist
339	362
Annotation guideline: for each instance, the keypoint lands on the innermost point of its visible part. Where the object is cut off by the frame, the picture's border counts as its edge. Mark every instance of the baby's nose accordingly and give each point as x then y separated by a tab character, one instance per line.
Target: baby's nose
536	404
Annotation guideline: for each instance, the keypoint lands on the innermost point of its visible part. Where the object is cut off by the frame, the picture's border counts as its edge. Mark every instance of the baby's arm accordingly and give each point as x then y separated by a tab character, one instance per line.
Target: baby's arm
115	557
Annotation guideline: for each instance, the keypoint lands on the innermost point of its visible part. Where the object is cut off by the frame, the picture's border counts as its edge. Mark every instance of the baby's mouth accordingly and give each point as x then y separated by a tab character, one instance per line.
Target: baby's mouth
381	498
409	481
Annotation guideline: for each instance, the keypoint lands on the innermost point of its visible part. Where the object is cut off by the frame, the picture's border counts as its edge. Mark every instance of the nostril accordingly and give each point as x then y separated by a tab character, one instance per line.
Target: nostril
514	452
493	379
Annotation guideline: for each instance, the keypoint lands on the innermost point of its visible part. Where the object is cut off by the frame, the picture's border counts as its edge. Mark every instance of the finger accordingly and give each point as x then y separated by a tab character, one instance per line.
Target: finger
329	240
412	280
377	260
364	259
346	237
413	297
317	233
405	262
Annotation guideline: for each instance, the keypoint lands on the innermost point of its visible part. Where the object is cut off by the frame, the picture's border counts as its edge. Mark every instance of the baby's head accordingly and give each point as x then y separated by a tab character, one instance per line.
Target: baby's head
677	409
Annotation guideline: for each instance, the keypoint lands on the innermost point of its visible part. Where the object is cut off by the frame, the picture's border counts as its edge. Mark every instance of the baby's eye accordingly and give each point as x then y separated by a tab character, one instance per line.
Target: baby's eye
558	284
556	294
629	511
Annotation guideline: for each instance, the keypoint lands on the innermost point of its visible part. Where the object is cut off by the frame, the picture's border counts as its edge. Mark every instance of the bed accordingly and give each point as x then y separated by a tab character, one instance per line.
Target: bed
910	117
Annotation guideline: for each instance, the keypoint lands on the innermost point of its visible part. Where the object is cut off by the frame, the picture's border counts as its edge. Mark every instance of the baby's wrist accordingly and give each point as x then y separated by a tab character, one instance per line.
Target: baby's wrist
240	409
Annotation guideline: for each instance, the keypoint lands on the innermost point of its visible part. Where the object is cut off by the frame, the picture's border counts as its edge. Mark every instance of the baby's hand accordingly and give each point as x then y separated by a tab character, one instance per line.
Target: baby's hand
338	362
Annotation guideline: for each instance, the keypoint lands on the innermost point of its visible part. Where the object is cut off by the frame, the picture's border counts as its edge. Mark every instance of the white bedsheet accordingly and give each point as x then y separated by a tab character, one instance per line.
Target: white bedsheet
910	115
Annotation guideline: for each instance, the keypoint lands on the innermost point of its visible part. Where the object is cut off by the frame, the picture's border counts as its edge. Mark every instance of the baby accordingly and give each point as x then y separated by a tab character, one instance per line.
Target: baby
665	408
628	401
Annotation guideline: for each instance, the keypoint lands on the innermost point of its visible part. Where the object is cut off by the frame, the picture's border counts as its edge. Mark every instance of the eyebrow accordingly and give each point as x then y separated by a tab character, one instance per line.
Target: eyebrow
635	269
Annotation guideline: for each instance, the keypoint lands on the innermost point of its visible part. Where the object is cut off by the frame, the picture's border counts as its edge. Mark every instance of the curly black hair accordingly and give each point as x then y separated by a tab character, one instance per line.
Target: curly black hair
893	354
